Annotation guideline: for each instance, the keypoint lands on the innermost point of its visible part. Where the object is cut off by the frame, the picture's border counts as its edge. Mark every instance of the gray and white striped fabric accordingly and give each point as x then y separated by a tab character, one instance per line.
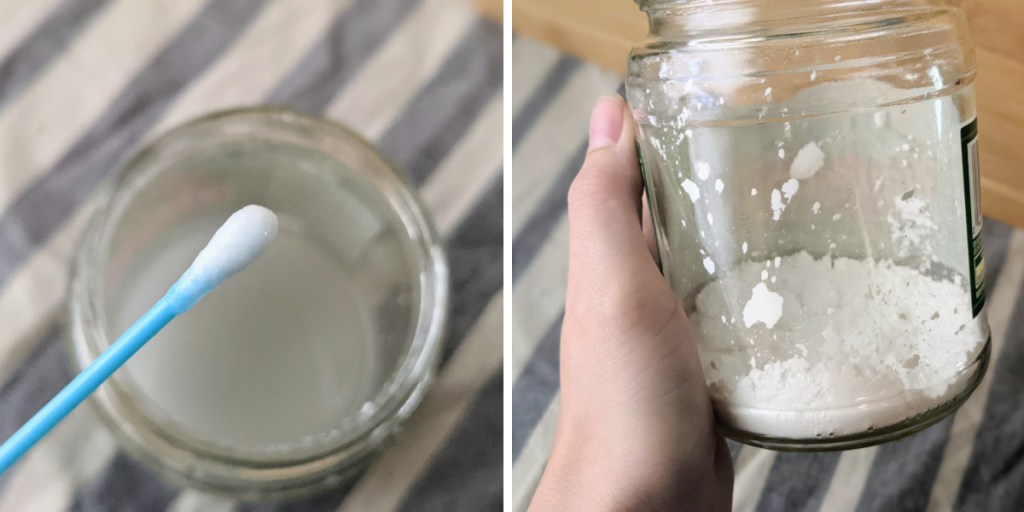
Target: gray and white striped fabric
83	83
973	461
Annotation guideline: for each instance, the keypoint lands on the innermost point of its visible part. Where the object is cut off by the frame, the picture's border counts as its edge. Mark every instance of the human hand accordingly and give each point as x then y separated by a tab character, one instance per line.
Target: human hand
636	429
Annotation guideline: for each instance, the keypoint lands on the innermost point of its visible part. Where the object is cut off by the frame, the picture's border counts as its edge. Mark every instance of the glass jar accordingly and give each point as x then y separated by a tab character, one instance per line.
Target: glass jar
812	171
291	375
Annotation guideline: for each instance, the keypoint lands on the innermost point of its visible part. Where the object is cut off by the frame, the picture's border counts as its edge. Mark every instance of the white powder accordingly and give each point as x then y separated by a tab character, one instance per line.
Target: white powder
912	225
834	346
764	306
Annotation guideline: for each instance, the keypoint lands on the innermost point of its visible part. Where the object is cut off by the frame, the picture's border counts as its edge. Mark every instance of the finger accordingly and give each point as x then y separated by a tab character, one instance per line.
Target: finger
605	232
607	122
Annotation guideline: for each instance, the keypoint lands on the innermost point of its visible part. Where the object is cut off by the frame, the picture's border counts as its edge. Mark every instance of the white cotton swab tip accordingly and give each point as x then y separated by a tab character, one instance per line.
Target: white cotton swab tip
235	245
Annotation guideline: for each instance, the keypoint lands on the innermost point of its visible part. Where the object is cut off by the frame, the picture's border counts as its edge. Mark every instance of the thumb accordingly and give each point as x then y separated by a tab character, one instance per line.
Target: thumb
607	245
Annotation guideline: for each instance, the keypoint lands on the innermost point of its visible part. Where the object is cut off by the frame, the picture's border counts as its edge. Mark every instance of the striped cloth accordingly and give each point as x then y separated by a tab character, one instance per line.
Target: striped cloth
973	461
84	83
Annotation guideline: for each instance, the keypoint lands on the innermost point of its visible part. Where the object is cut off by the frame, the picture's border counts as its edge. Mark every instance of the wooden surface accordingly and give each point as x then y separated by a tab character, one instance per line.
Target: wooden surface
599	31
491	9
603	31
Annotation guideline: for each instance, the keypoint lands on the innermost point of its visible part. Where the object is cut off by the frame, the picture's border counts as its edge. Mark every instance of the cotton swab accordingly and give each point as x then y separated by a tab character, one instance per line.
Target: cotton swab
234	246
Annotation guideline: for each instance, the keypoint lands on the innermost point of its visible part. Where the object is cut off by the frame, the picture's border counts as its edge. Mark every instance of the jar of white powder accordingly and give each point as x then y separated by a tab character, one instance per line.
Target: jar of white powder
812	172
290	376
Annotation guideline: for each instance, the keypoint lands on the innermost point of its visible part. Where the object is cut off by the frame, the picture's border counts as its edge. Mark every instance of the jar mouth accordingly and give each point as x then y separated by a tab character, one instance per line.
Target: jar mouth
834	5
738	24
272	469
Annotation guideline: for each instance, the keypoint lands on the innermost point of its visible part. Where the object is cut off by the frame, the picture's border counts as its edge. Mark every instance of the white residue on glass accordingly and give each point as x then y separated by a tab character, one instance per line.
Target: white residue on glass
809	160
777	205
709	265
790	188
781	198
702	168
691	189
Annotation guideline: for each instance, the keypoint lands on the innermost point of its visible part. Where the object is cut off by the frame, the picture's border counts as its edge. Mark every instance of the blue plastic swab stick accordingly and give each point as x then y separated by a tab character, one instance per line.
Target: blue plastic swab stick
236	244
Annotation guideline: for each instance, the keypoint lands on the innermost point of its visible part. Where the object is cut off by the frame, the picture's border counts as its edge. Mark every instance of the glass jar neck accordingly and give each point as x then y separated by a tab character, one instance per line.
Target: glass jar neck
668	17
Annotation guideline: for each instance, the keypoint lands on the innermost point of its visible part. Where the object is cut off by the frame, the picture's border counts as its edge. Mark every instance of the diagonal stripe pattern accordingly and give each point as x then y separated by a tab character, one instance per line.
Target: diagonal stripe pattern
440	118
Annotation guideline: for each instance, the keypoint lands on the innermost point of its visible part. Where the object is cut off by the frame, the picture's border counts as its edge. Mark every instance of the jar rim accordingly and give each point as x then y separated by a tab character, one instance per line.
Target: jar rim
217	468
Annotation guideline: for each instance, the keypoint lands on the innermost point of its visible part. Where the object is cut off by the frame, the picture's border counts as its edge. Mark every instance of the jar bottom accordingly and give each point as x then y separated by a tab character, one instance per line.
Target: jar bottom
870	437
